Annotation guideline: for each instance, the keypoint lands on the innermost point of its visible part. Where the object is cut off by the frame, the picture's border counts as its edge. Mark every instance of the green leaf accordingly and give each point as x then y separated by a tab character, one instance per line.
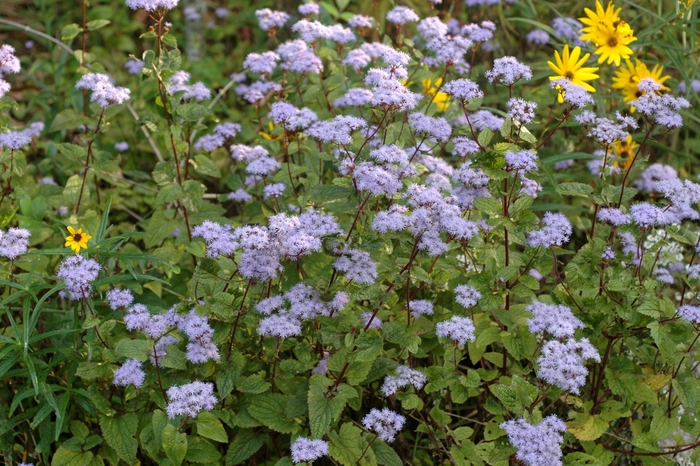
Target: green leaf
663	425
96	24
134	349
73	151
204	166
243	447
254	384
201	451
120	434
320	416
574	189
68	119
70	32
210	427
484	137
489	205
589	429
385	454
65	457
346	444
369	345
192	111
71	192
269	409
174	444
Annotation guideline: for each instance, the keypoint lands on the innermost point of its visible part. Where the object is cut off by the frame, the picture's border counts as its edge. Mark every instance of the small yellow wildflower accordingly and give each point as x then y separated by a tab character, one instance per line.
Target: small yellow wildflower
77	239
624	150
628	76
440	99
570	67
269	136
610	34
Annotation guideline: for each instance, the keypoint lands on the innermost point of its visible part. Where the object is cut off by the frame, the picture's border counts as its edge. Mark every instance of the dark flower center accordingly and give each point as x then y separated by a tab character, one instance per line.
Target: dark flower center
77	237
569	75
612	42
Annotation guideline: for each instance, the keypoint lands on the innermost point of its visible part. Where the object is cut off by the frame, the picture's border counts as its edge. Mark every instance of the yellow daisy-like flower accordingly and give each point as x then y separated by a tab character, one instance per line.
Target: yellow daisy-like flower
610	34
570	66
440	99
624	150
629	75
268	135
77	239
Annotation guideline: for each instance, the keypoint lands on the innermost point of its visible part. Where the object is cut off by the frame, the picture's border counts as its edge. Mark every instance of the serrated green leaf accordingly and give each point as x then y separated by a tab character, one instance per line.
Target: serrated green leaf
243	447
346	444
96	24
269	409
210	427
174	444
120	434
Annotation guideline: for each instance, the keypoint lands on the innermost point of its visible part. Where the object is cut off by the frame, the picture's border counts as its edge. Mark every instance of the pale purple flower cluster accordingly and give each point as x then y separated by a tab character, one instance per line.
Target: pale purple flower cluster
77	273
555	319
239	195
420	307
437	128
197	91
663	275
200	348
385	423
388	91
121	146
133	66
274	190
256	91
690	313
521	110
130	373
483	119
103	91
606	131
458	329
219	238
537	445
261	63
190	399
401	15
152	5
608	254
14	242
119	298
662	108
298	57
521	162
557	231
449	43
648	180
376	179
308	9
464	146
568	29
463	89
613	216
34	129
14	140
357	59
304	449
574	95
467	296
404	377
358	266
355	97
360	21
373	322
222	132
537	37
694	85
290	117
563	364
9	64
507	71
479	32
257	158
473	185
338	130
269	19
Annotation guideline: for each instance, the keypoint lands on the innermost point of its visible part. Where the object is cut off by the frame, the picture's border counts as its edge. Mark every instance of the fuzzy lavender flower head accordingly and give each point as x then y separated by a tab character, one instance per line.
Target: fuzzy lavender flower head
508	70
648	180
261	63
438	128
190	399
537	445
338	130
130	373
269	19
152	5
458	329
646	215
385	423
14	140
574	95
133	66
467	296
690	313
401	15
463	89
355	97
292	118
376	179
464	146
555	319
310	31
404	377
537	37
374	322
394	219
274	190
483	119
304	449
78	273
431	27
662	108
521	161
614	216
119	298
239	195
219	238
308	9
557	231
421	307
360	21
358	267
9	63
103	91
14	242
568	29
563	364
521	110
280	326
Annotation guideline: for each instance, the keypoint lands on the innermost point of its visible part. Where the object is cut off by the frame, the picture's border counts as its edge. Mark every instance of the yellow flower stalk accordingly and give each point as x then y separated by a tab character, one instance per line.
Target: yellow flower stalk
609	33
77	239
569	65
629	75
431	88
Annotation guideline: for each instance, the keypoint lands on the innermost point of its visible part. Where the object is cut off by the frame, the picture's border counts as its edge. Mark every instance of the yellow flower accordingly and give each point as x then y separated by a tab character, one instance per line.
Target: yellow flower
440	99
610	34
77	239
628	76
624	150
269	136
569	66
